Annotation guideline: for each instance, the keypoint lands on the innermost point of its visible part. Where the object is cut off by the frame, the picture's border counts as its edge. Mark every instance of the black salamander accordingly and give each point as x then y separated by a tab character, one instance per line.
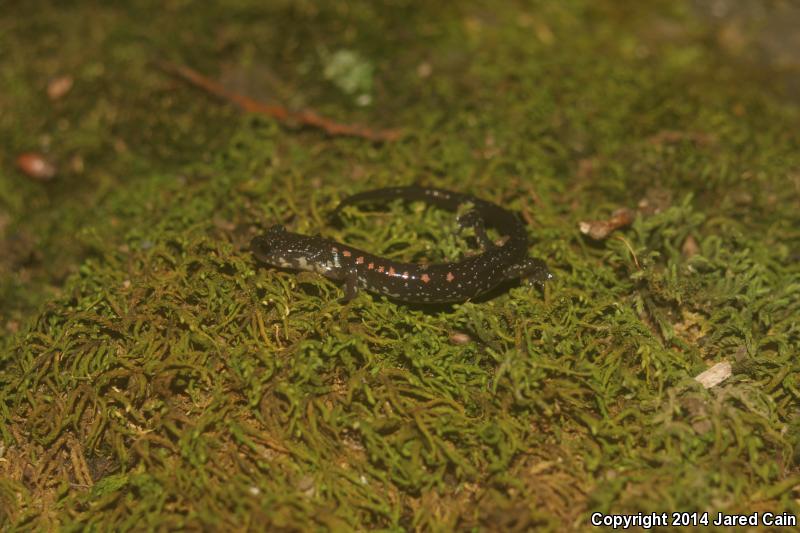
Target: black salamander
412	282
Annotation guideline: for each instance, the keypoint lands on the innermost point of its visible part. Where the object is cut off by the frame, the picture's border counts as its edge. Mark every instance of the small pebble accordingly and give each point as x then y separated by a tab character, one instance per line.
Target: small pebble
459	338
58	87
424	70
690	247
36	166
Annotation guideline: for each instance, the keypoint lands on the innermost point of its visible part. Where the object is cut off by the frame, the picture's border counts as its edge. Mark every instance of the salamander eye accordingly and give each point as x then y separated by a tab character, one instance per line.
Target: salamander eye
259	245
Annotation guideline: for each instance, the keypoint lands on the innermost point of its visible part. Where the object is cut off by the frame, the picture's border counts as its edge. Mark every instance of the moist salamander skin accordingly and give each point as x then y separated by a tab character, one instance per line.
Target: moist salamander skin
411	282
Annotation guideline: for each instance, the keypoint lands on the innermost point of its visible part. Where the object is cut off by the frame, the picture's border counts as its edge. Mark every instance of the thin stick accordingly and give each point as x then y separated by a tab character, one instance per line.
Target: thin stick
306	117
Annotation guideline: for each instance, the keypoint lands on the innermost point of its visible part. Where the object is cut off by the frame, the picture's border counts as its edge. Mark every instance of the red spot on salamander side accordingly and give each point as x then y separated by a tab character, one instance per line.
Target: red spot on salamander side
346	253
425	278
380	269
450	276
392	271
360	260
371	266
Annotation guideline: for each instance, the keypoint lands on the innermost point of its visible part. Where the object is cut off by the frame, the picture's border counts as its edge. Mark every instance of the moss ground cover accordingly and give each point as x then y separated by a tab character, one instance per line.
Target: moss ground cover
152	375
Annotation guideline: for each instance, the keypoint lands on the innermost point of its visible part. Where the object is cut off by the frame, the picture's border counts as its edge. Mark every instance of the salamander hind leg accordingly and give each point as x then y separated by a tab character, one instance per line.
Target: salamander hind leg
533	270
350	285
473	219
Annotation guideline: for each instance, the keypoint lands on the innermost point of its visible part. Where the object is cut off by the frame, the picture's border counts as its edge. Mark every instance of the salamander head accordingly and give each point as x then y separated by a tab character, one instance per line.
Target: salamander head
534	270
284	249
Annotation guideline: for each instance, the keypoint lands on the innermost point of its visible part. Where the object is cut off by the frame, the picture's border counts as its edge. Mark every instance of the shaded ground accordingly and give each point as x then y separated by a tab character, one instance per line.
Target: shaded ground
152	375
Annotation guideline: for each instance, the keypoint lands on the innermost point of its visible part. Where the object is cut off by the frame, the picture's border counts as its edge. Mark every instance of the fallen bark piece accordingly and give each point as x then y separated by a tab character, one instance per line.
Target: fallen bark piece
600	229
714	375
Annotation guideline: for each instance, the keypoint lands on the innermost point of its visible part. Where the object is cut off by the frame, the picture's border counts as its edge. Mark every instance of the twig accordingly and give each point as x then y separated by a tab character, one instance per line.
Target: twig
306	117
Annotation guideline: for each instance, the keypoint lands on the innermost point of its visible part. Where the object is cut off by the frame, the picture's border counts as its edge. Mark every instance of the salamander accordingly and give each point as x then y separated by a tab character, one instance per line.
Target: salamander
411	282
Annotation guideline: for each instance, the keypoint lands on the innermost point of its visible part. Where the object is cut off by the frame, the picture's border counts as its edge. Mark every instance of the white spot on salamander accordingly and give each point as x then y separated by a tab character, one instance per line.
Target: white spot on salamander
323	268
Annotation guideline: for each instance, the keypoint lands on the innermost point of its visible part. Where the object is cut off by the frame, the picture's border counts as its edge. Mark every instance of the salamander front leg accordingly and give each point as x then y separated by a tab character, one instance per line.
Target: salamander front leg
350	285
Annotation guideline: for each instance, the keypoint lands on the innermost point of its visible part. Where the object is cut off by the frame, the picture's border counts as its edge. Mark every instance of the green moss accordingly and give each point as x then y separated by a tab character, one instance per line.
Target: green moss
159	378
